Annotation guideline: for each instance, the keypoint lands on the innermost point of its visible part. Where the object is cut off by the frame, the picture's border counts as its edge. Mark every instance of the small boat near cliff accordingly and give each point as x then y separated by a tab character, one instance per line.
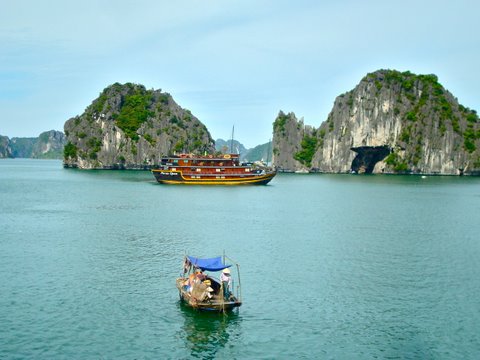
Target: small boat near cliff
223	169
201	288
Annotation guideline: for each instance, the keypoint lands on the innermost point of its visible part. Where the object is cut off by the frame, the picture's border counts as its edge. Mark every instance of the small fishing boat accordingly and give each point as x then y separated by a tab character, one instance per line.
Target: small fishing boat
219	169
200	287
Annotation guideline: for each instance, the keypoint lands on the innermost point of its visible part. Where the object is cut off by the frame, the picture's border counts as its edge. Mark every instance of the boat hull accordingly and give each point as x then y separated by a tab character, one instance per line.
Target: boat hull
214	305
177	177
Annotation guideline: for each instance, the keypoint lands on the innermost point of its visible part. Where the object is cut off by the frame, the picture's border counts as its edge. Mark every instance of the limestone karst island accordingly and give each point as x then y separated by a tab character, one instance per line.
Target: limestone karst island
392	122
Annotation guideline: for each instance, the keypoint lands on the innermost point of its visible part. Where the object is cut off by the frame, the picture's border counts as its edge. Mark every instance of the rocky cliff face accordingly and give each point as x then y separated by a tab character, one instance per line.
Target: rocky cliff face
22	147
5	150
49	145
130	127
288	134
394	122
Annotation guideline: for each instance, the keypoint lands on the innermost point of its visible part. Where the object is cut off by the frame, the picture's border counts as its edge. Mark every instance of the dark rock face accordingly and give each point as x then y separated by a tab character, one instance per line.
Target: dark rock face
423	125
367	157
129	127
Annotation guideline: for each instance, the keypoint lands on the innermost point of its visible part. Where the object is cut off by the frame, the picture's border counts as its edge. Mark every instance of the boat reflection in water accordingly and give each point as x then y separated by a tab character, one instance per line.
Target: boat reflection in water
207	334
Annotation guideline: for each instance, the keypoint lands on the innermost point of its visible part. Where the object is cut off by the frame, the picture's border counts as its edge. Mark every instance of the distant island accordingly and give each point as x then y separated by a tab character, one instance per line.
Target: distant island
48	145
261	152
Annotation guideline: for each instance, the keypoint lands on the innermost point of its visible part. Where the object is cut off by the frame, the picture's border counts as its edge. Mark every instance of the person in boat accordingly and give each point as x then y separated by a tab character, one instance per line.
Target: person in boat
226	280
192	278
187	285
199	275
209	293
195	278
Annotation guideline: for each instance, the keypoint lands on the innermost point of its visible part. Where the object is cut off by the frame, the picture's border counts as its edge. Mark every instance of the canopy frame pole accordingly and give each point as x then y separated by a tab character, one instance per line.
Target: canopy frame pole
239	287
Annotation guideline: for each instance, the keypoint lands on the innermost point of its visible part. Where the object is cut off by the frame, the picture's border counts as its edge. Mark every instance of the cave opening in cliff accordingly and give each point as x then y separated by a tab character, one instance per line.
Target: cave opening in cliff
367	157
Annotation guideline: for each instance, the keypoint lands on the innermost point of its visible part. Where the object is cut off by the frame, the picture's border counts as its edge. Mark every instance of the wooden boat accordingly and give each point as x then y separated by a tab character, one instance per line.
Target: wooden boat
200	289
224	169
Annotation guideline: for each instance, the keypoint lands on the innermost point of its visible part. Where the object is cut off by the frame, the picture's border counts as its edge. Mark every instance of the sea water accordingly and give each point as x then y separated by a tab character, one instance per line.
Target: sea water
332	266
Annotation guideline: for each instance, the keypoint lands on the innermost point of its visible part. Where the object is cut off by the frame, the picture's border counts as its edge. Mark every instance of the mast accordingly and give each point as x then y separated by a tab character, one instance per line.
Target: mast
231	141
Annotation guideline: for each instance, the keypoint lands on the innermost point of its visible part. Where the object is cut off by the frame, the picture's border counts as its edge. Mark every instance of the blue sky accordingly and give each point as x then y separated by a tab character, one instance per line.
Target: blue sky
229	62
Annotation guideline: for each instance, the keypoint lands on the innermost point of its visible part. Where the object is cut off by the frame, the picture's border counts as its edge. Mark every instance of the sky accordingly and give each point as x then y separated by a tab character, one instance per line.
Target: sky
231	63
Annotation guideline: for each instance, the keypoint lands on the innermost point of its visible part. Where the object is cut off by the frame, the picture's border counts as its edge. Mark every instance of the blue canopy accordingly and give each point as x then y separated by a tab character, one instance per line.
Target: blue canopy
211	264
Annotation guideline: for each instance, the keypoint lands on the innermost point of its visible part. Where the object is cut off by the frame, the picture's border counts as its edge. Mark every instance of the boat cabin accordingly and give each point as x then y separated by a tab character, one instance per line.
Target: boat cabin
203	161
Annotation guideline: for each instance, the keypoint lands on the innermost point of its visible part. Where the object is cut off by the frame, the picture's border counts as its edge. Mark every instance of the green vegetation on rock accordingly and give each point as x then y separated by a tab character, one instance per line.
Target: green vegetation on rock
150	139
309	146
179	146
280	122
396	163
99	104
94	145
133	113
70	151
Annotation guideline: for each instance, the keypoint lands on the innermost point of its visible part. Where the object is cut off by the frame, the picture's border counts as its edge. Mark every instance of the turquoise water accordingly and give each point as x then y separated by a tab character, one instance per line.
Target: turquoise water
333	266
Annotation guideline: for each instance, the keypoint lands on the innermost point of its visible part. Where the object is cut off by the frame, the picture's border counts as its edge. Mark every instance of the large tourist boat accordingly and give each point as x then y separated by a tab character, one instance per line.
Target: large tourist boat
201	289
223	169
